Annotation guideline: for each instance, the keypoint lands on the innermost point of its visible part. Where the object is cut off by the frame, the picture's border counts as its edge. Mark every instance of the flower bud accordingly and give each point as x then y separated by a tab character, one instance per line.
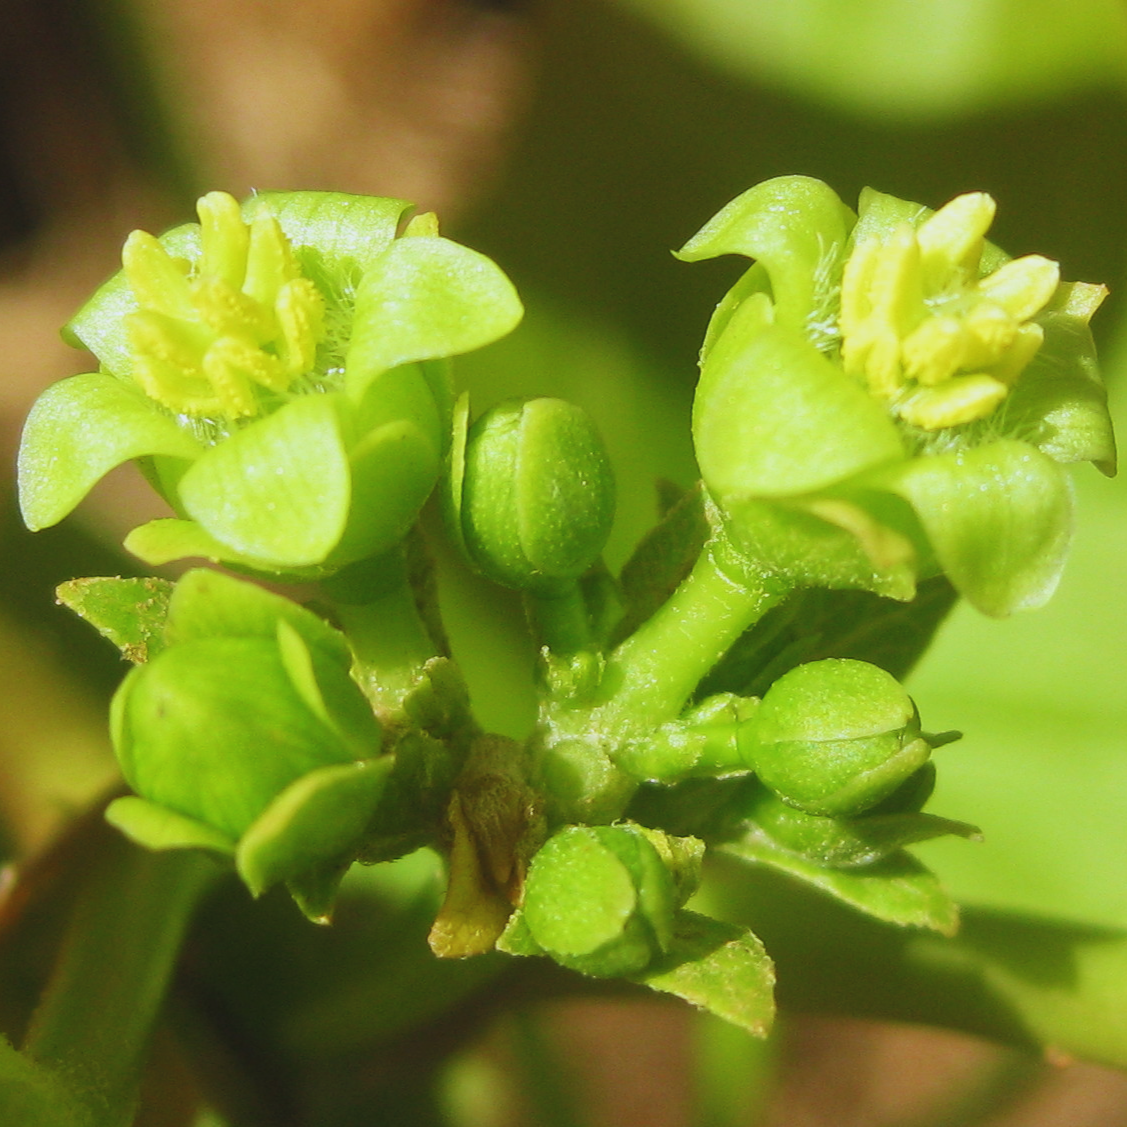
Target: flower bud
258	745
536	502
834	737
600	900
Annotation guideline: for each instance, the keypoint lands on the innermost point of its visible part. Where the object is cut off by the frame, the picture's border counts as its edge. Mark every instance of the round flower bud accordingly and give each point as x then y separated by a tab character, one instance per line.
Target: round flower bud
599	899
834	737
537	497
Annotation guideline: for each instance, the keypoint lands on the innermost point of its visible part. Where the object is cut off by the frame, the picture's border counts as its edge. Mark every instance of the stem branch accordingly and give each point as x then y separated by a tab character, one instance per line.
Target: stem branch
653	673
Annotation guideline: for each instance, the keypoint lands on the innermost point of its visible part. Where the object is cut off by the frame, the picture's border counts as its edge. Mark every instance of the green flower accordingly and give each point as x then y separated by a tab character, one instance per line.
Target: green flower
885	396
278	371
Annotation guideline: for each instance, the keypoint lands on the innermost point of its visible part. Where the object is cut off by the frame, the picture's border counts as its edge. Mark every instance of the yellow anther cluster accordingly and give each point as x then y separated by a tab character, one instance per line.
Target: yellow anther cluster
923	331
207	336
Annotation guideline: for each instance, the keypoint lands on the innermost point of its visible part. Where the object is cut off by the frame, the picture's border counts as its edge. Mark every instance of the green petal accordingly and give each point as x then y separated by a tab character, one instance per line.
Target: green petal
999	518
209	604
234	690
156	827
426	298
314	820
278	491
340	232
394	468
1059	403
158	542
79	430
796	227
773	418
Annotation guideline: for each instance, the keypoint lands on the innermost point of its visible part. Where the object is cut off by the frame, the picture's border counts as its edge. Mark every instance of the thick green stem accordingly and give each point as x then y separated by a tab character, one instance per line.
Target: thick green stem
560	620
93	1023
389	639
653	673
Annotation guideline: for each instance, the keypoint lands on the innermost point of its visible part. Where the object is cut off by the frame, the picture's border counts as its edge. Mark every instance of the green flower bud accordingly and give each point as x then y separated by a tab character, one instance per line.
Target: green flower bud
257	744
600	900
533	501
834	737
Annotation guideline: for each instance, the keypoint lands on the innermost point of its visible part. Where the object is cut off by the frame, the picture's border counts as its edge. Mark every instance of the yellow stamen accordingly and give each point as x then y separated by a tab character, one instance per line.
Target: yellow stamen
951	239
205	343
156	278
224	239
924	332
1023	286
960	400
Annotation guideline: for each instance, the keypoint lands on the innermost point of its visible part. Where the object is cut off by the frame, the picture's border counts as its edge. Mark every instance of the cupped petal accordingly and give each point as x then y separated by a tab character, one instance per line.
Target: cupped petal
100	324
774	418
999	518
341	232
424	298
278	491
79	430
1059	404
797	227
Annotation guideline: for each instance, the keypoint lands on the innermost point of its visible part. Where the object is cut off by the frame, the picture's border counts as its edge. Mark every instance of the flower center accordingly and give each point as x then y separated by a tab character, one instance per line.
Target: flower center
209	337
922	329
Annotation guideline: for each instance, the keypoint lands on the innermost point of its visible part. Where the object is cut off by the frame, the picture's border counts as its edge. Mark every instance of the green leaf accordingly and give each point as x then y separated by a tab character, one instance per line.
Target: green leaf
719	967
79	430
426	298
157	827
796	227
1025	979
318	818
278	491
999	518
897	890
209	604
662	559
890	60
131	613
